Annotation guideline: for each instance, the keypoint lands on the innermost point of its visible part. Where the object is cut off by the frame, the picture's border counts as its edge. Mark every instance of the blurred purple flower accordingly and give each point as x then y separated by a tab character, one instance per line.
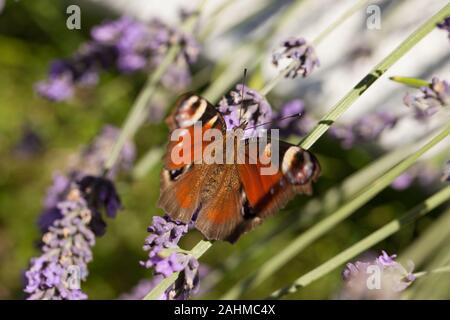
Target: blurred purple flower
365	129
424	174
394	278
128	45
446	175
251	107
66	248
298	50
430	99
293	119
445	25
165	257
403	181
30	143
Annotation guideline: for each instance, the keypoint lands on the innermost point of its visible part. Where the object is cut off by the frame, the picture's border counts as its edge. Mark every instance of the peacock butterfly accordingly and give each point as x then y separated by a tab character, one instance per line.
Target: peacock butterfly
227	199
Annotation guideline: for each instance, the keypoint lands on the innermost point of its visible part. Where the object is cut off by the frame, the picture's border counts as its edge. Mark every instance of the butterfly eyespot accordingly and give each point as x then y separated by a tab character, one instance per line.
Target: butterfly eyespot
191	111
174	174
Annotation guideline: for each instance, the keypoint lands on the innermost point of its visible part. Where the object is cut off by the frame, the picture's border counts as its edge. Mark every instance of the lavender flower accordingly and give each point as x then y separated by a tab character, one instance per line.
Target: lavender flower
165	257
125	44
66	248
250	107
101	196
430	99
425	175
298	50
358	277
89	163
365	129
293	125
30	143
445	25
81	69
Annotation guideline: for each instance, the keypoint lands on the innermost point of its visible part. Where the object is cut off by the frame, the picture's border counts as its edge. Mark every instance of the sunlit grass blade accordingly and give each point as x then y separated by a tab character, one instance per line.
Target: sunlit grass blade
365	244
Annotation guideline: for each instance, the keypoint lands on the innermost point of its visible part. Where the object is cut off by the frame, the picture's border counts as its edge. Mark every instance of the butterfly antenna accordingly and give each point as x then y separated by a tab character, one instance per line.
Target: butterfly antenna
269	122
242	95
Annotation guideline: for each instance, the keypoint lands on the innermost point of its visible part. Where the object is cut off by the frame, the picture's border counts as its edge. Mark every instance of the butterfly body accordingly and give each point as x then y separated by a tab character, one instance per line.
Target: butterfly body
228	198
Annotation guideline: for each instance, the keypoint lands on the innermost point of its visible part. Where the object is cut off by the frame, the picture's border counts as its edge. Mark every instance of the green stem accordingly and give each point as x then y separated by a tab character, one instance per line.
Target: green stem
325	225
365	244
159	290
325	123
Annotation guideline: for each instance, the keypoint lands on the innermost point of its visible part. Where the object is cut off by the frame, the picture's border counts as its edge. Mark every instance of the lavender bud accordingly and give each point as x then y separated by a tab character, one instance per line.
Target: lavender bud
298	50
445	25
430	99
165	257
250	107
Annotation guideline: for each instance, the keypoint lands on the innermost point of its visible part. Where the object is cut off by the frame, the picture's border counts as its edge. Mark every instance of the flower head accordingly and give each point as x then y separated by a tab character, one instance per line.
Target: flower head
379	278
445	25
298	50
364	129
430	99
165	257
245	104
127	45
66	248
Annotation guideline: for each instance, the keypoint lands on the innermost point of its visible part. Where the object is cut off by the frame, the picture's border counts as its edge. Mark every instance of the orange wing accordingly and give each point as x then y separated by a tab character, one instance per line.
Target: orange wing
181	181
265	194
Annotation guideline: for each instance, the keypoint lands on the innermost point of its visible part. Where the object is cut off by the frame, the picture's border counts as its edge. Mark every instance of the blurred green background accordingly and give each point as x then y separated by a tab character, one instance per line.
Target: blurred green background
32	33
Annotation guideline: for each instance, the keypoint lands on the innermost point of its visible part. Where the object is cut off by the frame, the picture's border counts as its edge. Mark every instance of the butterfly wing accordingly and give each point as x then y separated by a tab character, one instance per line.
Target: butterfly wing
246	193
265	194
181	181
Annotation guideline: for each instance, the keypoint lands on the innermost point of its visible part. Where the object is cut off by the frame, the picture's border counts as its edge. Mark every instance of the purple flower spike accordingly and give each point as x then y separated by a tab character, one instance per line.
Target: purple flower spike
165	257
66	248
127	45
361	282
445	25
430	99
252	108
296	49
